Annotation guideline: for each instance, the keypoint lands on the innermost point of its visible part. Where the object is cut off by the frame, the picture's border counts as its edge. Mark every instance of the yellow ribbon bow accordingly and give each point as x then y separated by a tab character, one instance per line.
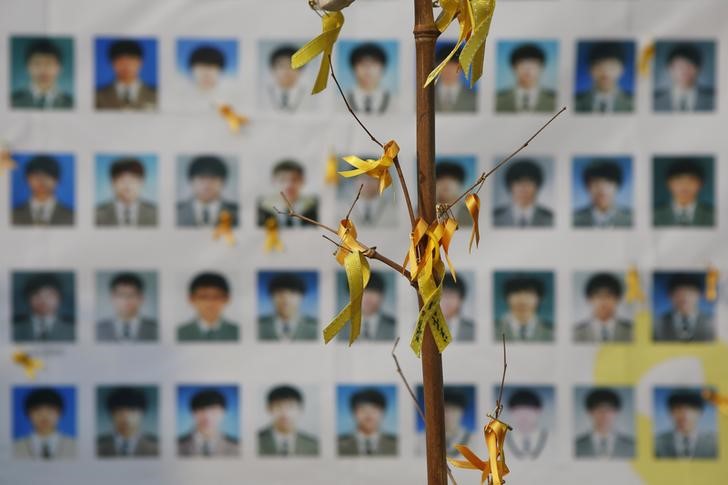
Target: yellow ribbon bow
634	293
472	202
224	228
234	120
6	160
30	364
495	468
646	56
378	169
330	173
322	44
272	236
718	400
711	284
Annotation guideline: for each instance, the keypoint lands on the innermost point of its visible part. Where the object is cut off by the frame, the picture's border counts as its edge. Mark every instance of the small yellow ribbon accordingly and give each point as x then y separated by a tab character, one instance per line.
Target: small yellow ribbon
6	160
495	468
30	365
711	284
234	120
472	202
634	293
348	235
331	24
272	236
224	228
472	56
330	173
718	400
646	56
438	234
357	271
378	169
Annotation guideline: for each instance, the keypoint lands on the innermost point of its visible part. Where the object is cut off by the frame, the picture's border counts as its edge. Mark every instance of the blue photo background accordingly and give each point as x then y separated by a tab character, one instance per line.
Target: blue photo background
706	78
468	422
150	422
661	297
64	188
546	307
504	73
67	307
660	193
345	72
185	420
583	77
468	163
309	303
105	73
19	74
104	191
661	413
581	196
345	422
67	422
228	47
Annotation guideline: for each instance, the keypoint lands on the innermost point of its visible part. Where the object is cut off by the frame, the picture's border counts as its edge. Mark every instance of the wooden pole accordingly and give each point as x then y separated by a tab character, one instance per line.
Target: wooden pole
426	34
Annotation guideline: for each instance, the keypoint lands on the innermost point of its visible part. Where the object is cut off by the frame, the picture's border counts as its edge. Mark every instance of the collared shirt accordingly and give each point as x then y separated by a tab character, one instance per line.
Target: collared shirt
603	218
603	330
285	329
522	215
683	99
204	446
517	327
41	212
363	99
367	443
448	95
125	446
604	102
685	444
370	325
128	93
127	215
43	325
208	327
603	444
120	327
206	214
285	99
526	99
684	325
527	443
684	213
43	99
41	443
285	443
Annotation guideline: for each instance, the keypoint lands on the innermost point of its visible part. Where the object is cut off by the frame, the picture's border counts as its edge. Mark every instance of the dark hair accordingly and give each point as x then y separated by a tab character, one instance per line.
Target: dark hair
602	396
368	396
449	283
523	283
600	51
207	280
128	279
126	165
126	398
447	168
43	164
679	280
39	281
685	397
207	398
208	55
455	397
125	47
281	393
524	170
286	281
368	49
443	50
207	165
603	281
603	169
43	396
527	51
284	51
45	47
684	166
288	166
685	51
376	282
524	397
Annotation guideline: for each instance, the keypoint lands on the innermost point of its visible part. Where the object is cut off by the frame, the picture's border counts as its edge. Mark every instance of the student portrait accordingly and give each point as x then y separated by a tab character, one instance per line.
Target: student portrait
602	314
288	306
685	425
457	303
604	422
126	306
368	73
524	306
127	421
209	294
289	177
527	76
453	174
43	190
126	74
291	414
378	307
460	423
681	310
453	93
207	187
372	209
126	190
605	76
366	420
208	71
524	194
530	410
684	76
208	421
41	72
44	306
281	88
602	192
683	191
44	423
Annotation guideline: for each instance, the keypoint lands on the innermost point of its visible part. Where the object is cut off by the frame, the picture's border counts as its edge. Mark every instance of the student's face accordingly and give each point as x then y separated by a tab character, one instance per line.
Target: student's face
368	73
447	189
285	414
283	74
450	303
206	76
606	74
525	418
44	419
450	74
523	304
685	418
368	417
207	188
453	418
371	302
684	188
41	185
684	74
602	193
45	301
127	421
290	183
127	187
209	302
685	299
126	300
208	419
528	73
43	70
286	303
126	68
524	192
603	417
604	304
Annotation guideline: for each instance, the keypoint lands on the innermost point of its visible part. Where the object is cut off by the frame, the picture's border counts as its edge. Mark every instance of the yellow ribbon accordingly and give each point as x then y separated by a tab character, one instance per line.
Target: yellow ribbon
233	119
634	293
451	10
357	271
438	234
272	236
330	175
331	24
224	228
30	364
472	57
711	284
495	468
472	202
646	56
378	169
718	400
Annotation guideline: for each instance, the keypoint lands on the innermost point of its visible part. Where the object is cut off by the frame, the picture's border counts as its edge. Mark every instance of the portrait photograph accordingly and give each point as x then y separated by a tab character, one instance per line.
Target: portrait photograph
288	421
461	425
43	190
288	176
524	193
453	174
208	421
207	190
127	421
527	76
684	76
378	307
602	192
604	423
605	76
207	73
368	72
281	88
685	424
683	191
602	315
457	303
366	420
373	209
127	306
210	315
41	73
44	306
531	410
127	190
453	93
681	311
126	73
524	306
288	306
44	423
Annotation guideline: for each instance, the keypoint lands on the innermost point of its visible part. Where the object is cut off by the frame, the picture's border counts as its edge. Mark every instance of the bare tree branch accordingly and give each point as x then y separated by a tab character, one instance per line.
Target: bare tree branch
498	403
356	199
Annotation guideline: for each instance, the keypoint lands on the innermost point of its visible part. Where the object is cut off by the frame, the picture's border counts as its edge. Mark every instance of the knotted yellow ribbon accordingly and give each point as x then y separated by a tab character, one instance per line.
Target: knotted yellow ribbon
330	172
30	365
711	284
438	234
451	10
634	293
378	169
234	120
495	468
472	202
272	236
718	400
646	56
331	24
224	228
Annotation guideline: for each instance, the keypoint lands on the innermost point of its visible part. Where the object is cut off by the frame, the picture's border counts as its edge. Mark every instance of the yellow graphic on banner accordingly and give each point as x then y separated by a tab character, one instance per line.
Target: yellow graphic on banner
378	169
234	120
718	400
711	284
646	57
273	240
495	468
30	365
634	293
330	171
323	44
6	160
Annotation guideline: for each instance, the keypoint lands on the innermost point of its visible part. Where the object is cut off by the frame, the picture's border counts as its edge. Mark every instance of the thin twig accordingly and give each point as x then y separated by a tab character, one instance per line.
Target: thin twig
293	213
498	403
356	199
405	190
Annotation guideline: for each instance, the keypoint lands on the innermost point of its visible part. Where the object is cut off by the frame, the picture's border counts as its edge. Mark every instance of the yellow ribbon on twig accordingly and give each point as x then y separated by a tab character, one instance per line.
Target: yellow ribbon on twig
272	236
378	169
331	24
711	284
30	365
634	293
495	468
234	120
330	172
224	228
451	10
718	400
472	56
472	202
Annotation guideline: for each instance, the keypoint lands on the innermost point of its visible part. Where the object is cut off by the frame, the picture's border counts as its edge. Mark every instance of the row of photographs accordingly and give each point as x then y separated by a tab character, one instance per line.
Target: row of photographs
43	191
287	418
523	309
42	75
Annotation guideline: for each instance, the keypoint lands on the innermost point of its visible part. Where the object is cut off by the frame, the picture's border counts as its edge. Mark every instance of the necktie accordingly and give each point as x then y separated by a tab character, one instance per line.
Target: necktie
367	213
126	330
368	447
524	102
46	451
683	218
368	104
523	332
284	100
605	333
526	446
126	98
43	334
284	448
603	451
522	221
124	448
210	334
127	216
206	450
602	106
684	103
686	446
286	329
40	101
205	216
38	215
366	331
685	324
